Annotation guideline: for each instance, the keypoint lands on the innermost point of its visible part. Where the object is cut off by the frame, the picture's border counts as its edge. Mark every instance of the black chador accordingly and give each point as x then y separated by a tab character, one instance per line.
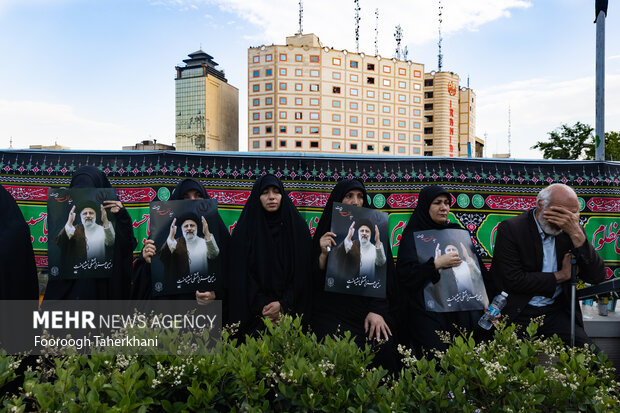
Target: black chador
270	261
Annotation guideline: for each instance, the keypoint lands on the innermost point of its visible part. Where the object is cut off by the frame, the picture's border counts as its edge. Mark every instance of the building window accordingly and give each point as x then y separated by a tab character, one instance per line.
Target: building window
387	69
282	101
370	134
282	86
370	93
370	66
336	89
314	102
299	72
256	88
299	58
416	112
314	144
268	144
335	145
282	72
298	86
353	78
283	57
298	144
314	115
402	71
336	103
370	107
428	153
416	99
353	105
314	73
417	73
402	111
428	82
336	131
268	58
297	129
428	142
256	130
353	132
314	130
268	115
416	125
353	119
370	147
370	80
353	64
370	121
416	138
298	101
402	98
282	129
402	84
314	88
255	102
282	143
256	59
256	73
416	86
336	61
256	144
268	129
336	75
428	95
401	136
268	86
268	101
428	118
401	149
428	131
353	146
387	96
416	150
336	118
256	116
353	92
268	72
386	135
386	122
387	82
401	124
298	115
314	58
428	106
386	109
386	148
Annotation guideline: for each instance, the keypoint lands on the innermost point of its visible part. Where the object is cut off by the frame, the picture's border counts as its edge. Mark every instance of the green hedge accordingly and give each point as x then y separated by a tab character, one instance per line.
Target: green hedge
289	370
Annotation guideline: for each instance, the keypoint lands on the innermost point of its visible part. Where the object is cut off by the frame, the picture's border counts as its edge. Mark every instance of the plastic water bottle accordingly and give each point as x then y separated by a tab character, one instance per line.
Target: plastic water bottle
486	321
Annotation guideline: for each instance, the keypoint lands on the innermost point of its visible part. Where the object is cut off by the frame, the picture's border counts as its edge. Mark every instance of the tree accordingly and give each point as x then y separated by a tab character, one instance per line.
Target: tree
612	147
566	142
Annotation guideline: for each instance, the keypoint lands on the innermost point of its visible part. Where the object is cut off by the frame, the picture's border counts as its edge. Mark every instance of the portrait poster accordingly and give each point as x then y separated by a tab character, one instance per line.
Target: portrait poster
186	259
357	263
459	288
81	233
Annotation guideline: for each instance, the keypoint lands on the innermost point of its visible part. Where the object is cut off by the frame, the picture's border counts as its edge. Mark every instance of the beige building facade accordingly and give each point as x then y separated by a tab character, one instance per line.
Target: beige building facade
304	97
207	107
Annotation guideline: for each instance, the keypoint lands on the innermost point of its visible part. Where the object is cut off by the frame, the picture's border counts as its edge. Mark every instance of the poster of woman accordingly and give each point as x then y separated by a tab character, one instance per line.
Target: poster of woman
357	264
459	288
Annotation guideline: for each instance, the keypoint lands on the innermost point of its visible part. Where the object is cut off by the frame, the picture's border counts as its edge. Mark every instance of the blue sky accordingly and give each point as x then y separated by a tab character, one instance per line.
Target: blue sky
100	74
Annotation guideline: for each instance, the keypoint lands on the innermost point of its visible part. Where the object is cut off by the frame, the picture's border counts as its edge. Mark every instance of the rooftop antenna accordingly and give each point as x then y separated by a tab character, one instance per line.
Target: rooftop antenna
301	15
484	148
376	32
439	55
398	35
11	142
509	124
405	53
468	81
357	25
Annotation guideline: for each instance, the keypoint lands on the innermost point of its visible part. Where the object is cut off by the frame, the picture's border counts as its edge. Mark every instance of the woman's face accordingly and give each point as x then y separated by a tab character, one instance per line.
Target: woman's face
192	194
271	198
440	208
354	197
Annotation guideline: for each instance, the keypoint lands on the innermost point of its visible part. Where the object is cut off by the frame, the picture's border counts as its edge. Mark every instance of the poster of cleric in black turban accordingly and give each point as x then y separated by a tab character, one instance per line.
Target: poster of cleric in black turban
188	244
357	263
460	288
81	232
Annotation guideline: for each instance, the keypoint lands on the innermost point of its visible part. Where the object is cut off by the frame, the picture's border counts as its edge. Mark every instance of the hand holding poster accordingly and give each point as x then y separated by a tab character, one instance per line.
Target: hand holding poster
460	286
357	264
81	232
188	242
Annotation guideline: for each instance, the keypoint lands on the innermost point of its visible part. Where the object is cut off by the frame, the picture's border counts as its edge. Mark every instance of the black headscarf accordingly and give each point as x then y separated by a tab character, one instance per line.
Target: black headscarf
18	271
117	286
270	260
420	218
187	185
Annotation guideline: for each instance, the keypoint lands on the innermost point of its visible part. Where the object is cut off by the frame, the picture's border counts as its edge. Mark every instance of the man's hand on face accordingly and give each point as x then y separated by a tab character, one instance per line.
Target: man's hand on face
567	221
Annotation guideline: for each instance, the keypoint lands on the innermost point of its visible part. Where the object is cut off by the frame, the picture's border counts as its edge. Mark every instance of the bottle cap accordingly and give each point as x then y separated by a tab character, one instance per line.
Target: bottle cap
504	293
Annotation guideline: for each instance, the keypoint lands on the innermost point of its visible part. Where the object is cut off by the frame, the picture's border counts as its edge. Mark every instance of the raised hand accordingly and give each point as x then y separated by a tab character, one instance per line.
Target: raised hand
351	231
104	217
71	217
173	230
205	229
378	243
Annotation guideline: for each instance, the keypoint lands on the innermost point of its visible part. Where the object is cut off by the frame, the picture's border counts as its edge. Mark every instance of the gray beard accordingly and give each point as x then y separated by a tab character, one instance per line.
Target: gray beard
547	228
190	238
89	225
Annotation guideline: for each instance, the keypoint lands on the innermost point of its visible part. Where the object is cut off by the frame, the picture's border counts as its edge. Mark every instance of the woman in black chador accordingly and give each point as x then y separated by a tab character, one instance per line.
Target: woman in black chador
188	189
18	271
116	287
332	312
417	325
269	260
